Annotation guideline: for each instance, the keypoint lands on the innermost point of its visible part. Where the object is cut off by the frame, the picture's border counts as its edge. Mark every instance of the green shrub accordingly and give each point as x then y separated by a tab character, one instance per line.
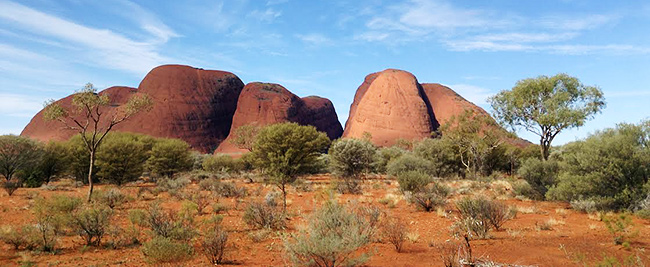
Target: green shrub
621	227
262	215
221	163
10	187
170	156
333	237
523	188
610	167
52	216
165	250
214	244
111	198
351	157
231	190
409	162
479	214
169	224
24	237
210	184
122	157
91	224
17	153
384	156
540	175
586	206
413	181
429	197
442	156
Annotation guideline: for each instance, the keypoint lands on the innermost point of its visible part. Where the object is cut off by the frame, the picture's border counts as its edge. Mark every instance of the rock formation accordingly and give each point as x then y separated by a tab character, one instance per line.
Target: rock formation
192	104
266	103
390	105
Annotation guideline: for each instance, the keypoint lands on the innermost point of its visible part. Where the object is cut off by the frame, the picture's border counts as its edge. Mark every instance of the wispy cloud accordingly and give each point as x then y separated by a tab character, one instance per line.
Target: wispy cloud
268	15
14	105
315	39
475	94
576	23
103	47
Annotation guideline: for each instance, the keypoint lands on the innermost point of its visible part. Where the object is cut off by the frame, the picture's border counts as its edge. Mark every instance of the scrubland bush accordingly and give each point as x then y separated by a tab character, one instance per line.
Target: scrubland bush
395	232
26	237
166	250
52	216
332	237
10	187
264	215
122	157
478	215
540	175
17	153
214	244
112	198
441	154
586	206
222	163
91	224
413	181
621	227
231	190
170	156
409	162
523	188
54	161
430	197
350	157
168	224
384	156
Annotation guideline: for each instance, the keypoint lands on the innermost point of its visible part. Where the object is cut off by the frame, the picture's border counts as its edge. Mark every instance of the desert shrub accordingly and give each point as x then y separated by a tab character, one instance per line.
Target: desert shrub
218	208
540	175
263	215
165	250
621	227
473	227
52	215
523	188
351	157
221	163
170	156
610	167
441	154
430	197
483	213
332	237
395	232
286	150
214	244
17	153
24	237
643	207
168	224
122	157
79	160
413	181
91	224
10	186
384	156
210	184
409	162
231	190
171	185
111	198
201	199
198	159
586	206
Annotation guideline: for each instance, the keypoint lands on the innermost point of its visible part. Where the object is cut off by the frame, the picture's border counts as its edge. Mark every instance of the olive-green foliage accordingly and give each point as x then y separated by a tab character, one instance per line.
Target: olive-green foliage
214	244
111	198
413	181
351	157
244	136
52	216
170	156
264	215
523	188
79	160
169	224
384	156
17	153
286	150
10	186
610	167
25	237
165	250
122	157
486	212
546	106
440	152
332	237
55	160
409	162
540	175
91	223
429	197
621	227
222	163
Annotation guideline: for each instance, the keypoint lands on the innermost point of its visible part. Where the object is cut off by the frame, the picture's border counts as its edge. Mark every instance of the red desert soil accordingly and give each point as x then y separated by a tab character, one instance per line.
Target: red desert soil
574	238
191	104
268	103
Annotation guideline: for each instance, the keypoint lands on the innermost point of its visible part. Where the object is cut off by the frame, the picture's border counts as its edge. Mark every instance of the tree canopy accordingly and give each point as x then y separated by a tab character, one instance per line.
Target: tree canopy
546	106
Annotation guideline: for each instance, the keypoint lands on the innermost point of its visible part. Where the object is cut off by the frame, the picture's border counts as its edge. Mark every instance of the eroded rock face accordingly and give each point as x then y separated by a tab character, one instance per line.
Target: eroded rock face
267	103
191	104
446	102
390	105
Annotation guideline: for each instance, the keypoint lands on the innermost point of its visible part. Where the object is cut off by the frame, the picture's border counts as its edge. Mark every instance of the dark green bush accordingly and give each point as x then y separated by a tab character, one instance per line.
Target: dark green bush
351	157
169	157
26	237
540	175
122	157
429	197
440	152
384	156
91	224
413	181
222	163
10	186
409	162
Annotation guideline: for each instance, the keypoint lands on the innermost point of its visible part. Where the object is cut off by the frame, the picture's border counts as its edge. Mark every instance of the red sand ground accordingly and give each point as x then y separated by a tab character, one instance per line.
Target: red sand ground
575	240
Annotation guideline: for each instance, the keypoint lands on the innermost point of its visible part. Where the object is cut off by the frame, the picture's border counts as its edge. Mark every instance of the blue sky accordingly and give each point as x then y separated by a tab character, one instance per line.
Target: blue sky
49	49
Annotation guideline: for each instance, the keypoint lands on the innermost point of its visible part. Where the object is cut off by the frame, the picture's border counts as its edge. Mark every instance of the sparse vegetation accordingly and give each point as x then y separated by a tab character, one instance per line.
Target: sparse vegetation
214	244
395	232
166	250
264	215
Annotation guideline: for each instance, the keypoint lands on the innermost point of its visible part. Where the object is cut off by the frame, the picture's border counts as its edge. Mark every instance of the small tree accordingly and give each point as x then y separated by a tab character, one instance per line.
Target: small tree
90	116
244	136
349	158
122	158
170	156
546	106
287	150
55	160
16	154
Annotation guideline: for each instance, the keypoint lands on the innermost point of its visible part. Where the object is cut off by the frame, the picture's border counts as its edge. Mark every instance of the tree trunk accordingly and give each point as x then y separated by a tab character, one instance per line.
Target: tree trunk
284	198
543	147
90	176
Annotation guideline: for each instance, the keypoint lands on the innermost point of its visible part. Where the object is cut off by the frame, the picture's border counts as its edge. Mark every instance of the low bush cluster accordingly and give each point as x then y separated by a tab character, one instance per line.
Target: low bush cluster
479	215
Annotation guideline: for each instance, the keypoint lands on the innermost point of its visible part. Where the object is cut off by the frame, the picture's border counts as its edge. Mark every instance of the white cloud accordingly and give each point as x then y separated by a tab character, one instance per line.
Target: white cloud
577	22
314	39
105	48
441	15
475	94
14	105
268	15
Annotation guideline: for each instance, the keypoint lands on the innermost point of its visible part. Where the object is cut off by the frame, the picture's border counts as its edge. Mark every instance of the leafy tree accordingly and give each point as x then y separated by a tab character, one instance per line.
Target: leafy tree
351	157
440	152
287	150
244	136
384	156
123	157
90	116
17	153
610	168
409	162
540	175
546	106
222	163
474	137
55	160
170	156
